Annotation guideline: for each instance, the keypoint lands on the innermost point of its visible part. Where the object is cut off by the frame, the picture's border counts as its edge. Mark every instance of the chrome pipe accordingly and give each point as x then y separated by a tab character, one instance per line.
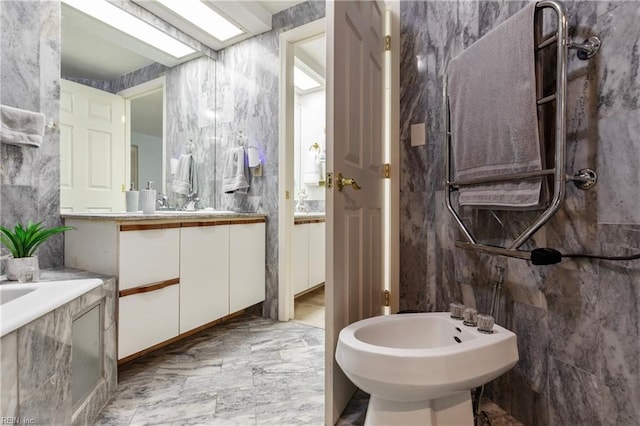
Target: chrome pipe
503	178
561	124
447	162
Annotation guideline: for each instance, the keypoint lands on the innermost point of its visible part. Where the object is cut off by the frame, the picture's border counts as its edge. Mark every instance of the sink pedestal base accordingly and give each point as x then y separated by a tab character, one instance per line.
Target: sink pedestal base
453	410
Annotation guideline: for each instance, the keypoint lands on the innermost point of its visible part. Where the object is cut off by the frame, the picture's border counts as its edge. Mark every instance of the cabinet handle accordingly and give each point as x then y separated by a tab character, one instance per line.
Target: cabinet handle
150	287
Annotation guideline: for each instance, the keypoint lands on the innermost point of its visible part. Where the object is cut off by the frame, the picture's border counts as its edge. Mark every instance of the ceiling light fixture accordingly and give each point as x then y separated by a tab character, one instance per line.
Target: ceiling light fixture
204	18
303	81
129	24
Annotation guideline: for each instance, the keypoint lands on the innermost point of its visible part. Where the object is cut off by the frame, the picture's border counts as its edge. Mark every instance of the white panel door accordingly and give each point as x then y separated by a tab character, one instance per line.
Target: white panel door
92	149
204	275
355	107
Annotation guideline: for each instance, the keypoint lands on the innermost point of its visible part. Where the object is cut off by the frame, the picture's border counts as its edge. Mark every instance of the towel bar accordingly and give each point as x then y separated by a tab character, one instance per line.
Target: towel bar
584	179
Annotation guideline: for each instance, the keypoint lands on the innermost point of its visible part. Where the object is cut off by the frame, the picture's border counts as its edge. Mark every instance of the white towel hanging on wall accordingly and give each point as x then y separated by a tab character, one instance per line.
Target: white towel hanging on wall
21	127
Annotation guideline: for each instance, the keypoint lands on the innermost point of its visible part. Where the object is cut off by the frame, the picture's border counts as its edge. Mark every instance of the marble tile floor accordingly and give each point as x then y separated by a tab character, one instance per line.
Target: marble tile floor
247	371
490	414
309	308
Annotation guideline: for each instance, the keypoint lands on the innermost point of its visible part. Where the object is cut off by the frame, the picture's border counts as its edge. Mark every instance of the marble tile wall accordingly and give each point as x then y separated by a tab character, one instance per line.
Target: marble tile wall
30	79
247	100
578	322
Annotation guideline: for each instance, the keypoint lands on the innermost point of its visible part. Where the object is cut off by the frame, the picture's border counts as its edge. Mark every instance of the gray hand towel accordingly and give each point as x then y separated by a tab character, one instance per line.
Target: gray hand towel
20	127
234	175
492	96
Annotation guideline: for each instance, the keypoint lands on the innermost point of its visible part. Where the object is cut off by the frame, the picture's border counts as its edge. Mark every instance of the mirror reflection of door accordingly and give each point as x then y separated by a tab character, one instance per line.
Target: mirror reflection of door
146	140
95	56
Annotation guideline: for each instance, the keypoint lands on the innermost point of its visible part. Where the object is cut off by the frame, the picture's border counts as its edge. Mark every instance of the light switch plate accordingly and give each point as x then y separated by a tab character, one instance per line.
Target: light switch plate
418	134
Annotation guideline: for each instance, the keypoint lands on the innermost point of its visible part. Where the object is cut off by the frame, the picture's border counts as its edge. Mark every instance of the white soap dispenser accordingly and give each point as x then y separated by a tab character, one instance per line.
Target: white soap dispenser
132	197
148	199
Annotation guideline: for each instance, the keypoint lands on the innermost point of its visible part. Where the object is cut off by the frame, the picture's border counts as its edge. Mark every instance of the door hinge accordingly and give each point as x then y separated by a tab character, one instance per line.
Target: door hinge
387	43
387	171
329	180
386	296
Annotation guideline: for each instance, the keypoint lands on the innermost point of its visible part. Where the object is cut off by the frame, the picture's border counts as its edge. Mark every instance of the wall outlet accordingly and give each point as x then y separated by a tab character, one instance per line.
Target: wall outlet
418	134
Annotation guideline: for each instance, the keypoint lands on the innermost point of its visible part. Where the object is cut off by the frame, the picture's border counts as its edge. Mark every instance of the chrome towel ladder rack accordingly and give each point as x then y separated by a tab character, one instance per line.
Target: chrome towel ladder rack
584	178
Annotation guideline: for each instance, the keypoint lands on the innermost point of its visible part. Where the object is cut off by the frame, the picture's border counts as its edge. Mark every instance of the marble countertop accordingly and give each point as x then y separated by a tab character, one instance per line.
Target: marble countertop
163	215
311	217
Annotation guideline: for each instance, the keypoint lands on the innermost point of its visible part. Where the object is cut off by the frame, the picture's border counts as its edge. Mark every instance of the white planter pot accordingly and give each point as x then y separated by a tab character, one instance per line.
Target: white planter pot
23	269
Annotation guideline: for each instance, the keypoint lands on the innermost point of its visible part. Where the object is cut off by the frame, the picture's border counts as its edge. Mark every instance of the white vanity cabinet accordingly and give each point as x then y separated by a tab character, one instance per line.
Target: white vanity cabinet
308	254
300	257
175	276
204	274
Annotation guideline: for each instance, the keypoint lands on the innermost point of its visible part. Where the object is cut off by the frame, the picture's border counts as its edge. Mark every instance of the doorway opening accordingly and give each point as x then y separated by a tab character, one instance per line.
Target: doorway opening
302	175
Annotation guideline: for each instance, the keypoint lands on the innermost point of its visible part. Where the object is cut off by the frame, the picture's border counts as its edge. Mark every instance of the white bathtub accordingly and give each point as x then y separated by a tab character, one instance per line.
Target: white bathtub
22	303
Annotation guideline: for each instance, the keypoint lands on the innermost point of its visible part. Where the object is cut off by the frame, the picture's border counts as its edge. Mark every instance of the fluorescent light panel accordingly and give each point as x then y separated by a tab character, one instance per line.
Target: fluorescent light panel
129	24
304	81
203	17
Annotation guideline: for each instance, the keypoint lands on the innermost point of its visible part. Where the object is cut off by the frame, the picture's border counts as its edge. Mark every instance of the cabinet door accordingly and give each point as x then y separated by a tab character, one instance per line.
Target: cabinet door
246	265
316	254
204	275
147	319
148	256
300	258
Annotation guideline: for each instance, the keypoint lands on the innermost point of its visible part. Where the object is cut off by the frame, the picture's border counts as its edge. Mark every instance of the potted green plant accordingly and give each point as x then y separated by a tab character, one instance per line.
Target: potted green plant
22	243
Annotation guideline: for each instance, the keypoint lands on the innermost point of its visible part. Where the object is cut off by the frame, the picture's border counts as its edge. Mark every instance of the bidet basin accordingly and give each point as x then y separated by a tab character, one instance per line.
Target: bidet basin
420	368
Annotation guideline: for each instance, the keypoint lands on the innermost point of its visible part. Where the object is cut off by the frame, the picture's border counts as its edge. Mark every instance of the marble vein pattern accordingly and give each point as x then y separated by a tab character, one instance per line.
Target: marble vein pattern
246	371
30	80
577	322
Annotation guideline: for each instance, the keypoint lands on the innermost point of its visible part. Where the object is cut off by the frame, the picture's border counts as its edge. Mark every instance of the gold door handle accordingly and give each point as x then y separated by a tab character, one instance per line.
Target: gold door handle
342	182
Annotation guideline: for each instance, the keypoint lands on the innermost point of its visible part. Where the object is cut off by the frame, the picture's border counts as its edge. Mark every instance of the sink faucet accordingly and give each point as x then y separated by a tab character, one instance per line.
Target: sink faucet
191	202
162	201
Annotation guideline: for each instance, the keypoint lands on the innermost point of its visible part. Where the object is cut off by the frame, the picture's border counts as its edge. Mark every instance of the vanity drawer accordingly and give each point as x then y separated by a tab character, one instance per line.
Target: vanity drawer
146	319
148	256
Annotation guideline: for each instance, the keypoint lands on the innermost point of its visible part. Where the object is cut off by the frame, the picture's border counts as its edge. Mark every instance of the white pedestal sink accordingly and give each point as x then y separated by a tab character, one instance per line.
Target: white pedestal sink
420	368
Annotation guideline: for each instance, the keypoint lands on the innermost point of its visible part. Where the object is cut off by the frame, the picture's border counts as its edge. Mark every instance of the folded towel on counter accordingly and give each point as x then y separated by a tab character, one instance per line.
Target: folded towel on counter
185	179
312	169
492	97
234	175
21	127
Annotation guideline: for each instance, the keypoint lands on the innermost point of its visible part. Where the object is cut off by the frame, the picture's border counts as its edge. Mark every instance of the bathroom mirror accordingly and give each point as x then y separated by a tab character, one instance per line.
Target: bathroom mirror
95	55
309	127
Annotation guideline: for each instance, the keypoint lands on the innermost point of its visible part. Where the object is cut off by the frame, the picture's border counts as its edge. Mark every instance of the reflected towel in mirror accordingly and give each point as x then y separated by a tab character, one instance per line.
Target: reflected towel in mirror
312	169
185	179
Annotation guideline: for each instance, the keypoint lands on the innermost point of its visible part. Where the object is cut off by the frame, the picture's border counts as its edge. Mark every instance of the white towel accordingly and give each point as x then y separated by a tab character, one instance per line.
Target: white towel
185	179
312	169
492	96
234	175
20	127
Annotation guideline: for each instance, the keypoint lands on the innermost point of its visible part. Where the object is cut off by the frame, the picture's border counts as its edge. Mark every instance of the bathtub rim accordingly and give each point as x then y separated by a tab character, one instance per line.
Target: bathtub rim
48	296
